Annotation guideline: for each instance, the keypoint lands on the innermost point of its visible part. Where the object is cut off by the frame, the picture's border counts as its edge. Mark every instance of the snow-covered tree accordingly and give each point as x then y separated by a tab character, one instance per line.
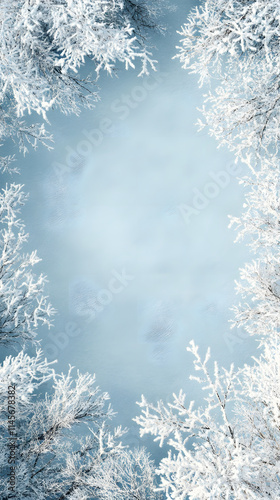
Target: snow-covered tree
259	285
131	476
43	46
229	447
234	45
23	304
41	453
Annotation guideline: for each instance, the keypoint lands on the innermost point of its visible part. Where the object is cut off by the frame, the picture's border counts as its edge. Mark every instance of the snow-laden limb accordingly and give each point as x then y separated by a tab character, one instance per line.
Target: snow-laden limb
7	165
25	135
259	287
27	373
235	454
261	215
23	304
21	133
51	461
234	45
44	44
129	477
259	312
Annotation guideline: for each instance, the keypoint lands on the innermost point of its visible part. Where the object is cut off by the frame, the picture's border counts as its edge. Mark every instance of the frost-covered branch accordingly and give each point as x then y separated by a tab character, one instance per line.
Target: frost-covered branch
234	45
229	447
44	44
23	304
44	47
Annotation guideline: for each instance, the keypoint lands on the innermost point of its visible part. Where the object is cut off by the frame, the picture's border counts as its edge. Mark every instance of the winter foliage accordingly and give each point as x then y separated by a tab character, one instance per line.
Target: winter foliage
22	300
229	447
43	46
234	46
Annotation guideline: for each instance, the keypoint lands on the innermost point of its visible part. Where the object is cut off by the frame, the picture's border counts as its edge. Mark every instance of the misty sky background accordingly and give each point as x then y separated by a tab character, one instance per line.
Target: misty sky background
119	209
